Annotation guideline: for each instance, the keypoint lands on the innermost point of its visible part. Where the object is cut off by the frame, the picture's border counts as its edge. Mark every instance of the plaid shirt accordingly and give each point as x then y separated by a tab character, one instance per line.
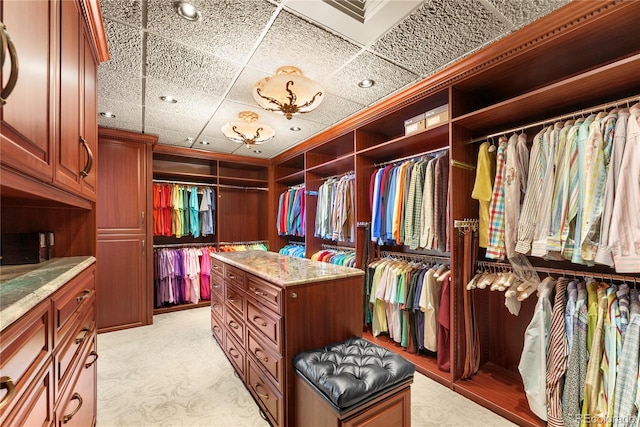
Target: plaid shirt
496	248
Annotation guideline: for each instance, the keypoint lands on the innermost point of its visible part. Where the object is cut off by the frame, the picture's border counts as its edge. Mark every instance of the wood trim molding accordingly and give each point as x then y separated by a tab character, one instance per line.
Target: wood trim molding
93	18
209	155
573	16
123	135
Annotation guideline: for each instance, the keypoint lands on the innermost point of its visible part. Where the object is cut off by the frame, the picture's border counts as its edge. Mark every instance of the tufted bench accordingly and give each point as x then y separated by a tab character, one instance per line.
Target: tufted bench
351	383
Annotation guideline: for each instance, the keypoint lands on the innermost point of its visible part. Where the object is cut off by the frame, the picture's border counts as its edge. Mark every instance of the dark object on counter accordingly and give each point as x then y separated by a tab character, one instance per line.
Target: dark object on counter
23	248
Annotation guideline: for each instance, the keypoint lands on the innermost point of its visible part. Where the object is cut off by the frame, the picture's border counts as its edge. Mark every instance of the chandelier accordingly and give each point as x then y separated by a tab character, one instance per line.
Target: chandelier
288	92
248	130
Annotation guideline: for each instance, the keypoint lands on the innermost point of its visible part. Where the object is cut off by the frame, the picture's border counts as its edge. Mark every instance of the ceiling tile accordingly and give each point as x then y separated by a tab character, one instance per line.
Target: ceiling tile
124	112
242	89
125	48
228	28
522	12
120	86
333	109
169	137
125	11
439	32
294	41
216	144
195	105
387	76
171	121
189	67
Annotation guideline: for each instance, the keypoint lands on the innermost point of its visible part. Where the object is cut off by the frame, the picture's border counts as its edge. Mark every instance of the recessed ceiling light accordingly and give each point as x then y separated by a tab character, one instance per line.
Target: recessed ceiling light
257	151
169	99
204	142
108	114
366	83
295	128
187	11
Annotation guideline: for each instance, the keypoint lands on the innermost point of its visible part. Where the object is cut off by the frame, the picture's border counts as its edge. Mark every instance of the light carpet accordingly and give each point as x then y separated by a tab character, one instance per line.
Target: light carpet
173	373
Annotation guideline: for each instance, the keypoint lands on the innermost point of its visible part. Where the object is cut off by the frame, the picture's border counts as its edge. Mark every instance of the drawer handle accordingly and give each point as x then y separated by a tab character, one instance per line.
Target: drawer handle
216	328
231	276
233	324
264	359
81	340
255	320
215	267
257	292
84	295
216	307
264	396
232	301
95	359
215	286
232	351
7	383
67	418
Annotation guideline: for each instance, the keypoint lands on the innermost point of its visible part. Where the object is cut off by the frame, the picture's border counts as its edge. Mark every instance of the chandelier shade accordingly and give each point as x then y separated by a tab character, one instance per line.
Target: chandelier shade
248	130
289	92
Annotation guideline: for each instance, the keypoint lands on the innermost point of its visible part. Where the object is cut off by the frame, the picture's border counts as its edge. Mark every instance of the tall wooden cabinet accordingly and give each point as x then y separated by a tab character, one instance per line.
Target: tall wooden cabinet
125	262
583	55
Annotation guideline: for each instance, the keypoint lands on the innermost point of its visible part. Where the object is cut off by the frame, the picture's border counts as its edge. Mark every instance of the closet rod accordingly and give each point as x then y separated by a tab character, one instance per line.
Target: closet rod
410	256
338	248
197	184
183	245
338	176
558	118
602	276
251	242
413	156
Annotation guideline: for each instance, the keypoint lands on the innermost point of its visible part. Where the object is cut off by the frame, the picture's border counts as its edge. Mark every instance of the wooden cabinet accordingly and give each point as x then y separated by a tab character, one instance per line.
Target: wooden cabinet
266	323
27	121
124	289
48	354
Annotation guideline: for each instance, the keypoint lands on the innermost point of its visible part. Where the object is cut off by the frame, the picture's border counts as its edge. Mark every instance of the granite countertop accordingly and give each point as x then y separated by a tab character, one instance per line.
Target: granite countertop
22	287
285	270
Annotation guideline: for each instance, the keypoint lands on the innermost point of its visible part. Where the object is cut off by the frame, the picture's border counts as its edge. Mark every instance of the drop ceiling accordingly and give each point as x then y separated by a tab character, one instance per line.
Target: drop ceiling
211	65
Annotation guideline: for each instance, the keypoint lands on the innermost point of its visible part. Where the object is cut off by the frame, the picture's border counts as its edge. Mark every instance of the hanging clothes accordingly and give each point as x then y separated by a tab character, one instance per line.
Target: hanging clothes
335	210
346	258
291	219
180	210
293	249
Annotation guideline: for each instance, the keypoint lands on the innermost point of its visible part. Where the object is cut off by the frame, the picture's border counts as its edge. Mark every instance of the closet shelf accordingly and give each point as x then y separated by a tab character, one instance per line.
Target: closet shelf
334	167
232	180
206	178
501	391
292	178
434	138
596	86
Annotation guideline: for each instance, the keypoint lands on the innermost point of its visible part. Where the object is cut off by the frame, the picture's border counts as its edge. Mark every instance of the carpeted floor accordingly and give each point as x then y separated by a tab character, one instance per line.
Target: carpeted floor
173	373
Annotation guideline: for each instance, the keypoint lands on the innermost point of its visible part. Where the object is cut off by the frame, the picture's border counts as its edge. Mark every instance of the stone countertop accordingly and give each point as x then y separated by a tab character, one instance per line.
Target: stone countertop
285	270
22	287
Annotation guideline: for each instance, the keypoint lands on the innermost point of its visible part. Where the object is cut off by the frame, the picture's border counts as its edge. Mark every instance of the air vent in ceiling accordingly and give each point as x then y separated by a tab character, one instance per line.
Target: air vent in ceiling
360	10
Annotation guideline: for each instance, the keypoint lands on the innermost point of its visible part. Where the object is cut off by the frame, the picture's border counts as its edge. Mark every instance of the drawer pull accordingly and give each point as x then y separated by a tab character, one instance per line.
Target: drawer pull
231	276
84	295
215	267
216	307
233	324
67	418
234	353
216	328
264	359
81	340
232	301
263	323
264	396
257	292
215	286
7	383
95	359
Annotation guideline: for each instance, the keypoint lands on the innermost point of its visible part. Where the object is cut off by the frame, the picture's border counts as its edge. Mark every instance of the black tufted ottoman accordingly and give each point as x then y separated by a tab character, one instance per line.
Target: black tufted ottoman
352	383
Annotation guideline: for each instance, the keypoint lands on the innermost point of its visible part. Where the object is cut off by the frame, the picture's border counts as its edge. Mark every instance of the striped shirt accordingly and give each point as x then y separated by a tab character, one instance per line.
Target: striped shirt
558	355
627	378
496	248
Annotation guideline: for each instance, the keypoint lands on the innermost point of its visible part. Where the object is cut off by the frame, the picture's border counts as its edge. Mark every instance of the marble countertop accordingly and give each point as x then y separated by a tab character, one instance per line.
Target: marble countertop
285	270
22	287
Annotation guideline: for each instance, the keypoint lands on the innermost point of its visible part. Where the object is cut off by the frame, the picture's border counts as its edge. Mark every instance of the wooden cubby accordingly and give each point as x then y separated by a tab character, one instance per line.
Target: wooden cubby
583	55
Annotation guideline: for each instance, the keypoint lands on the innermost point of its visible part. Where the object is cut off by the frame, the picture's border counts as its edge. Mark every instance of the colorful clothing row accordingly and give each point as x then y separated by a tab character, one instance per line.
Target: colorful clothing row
292	249
575	196
336	256
411	302
410	204
291	212
579	364
181	275
180	210
239	247
335	211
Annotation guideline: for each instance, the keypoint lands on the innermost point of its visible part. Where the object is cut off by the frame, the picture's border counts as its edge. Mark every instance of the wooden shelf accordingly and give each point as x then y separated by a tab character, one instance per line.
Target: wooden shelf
232	180
417	143
292	179
185	176
425	364
502	392
597	86
178	307
336	166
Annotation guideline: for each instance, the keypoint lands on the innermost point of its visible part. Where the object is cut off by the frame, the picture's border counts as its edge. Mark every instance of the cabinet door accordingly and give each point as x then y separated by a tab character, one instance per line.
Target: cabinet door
67	173
121	292
89	162
27	120
121	187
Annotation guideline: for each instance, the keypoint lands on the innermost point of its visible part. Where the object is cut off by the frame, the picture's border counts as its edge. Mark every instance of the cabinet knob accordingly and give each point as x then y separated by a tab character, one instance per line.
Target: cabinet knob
6	43
67	418
7	383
